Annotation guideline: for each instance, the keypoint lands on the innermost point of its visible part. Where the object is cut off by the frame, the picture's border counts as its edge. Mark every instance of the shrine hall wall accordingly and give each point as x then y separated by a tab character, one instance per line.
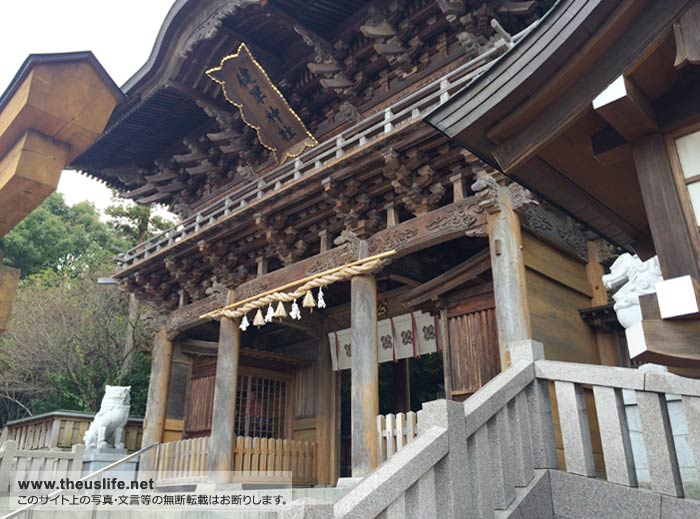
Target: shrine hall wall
557	287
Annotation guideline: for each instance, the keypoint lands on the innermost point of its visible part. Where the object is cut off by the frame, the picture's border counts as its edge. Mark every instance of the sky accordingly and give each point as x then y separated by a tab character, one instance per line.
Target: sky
120	33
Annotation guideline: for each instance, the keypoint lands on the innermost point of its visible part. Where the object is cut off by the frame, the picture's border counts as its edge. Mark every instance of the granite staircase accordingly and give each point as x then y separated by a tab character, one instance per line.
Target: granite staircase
501	454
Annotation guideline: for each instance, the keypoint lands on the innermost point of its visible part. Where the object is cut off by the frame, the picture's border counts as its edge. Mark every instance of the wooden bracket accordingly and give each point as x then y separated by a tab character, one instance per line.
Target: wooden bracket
626	108
672	342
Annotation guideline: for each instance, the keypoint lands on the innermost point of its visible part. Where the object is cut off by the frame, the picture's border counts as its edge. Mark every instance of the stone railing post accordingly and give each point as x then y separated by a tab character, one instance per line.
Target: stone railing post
451	475
306	508
527	350
77	463
539	406
7	457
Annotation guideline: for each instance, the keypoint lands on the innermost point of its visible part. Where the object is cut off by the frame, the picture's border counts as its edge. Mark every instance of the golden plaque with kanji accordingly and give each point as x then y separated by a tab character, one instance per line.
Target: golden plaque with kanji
246	85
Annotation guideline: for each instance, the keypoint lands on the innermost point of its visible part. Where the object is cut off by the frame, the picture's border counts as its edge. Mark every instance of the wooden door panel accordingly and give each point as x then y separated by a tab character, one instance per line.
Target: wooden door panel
473	350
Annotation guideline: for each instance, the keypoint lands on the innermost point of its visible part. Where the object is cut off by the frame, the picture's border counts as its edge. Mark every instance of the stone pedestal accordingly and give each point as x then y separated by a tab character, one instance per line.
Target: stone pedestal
95	459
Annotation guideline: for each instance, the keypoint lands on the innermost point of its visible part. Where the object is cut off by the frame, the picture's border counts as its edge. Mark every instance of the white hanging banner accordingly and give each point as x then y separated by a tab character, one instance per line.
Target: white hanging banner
428	330
344	353
402	337
386	341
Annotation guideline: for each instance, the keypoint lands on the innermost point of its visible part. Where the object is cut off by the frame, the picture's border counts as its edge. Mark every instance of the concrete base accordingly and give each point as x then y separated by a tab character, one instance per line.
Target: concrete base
100	458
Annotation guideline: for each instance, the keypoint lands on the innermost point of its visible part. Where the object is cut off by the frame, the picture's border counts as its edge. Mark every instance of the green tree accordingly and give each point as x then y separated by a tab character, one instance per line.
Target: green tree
136	223
59	237
67	340
68	336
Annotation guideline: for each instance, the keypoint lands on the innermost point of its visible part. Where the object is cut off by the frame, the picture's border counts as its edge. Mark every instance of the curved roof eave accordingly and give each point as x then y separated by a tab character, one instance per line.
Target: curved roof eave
500	80
177	8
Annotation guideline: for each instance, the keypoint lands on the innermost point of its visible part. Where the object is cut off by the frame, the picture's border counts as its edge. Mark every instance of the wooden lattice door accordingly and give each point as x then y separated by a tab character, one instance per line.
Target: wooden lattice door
473	345
261	402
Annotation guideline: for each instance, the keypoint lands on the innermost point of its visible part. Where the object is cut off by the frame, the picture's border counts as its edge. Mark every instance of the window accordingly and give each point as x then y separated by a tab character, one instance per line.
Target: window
688	147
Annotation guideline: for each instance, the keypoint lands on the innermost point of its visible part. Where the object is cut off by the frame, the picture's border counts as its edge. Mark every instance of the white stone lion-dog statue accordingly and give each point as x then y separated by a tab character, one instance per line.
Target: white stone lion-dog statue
110	420
631	278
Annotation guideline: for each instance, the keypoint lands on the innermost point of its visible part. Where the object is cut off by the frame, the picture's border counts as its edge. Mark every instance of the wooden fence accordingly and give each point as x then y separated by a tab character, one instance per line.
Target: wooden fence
183	461
62	429
20	464
254	460
395	432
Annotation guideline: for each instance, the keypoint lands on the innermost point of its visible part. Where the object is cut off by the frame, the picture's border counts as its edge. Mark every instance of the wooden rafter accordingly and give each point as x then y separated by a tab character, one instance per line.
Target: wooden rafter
456	276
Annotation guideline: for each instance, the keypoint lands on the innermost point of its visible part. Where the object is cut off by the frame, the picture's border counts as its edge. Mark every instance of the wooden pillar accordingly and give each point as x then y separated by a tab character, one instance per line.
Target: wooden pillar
672	226
402	386
364	375
325	414
156	408
508	269
446	355
222	441
336	438
607	347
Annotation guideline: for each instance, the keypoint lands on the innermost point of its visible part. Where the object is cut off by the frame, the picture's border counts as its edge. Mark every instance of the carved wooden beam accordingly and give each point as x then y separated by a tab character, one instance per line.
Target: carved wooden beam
452	221
283	239
211	25
188	316
444	224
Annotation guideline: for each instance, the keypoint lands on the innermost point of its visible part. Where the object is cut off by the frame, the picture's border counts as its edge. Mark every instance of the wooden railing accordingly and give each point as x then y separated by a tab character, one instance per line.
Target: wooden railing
254	460
32	435
62	429
395	432
20	464
409	109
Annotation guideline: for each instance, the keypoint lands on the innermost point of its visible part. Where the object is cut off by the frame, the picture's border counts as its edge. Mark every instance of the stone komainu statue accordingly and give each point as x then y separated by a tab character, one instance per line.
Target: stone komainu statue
630	278
110	420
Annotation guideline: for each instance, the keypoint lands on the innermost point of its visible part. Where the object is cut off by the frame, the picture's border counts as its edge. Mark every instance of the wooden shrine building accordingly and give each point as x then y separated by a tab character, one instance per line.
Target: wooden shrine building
337	256
598	110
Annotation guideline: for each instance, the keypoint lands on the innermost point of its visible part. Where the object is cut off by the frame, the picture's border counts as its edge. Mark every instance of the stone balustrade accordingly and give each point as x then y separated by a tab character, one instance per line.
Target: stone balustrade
23	464
495	455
